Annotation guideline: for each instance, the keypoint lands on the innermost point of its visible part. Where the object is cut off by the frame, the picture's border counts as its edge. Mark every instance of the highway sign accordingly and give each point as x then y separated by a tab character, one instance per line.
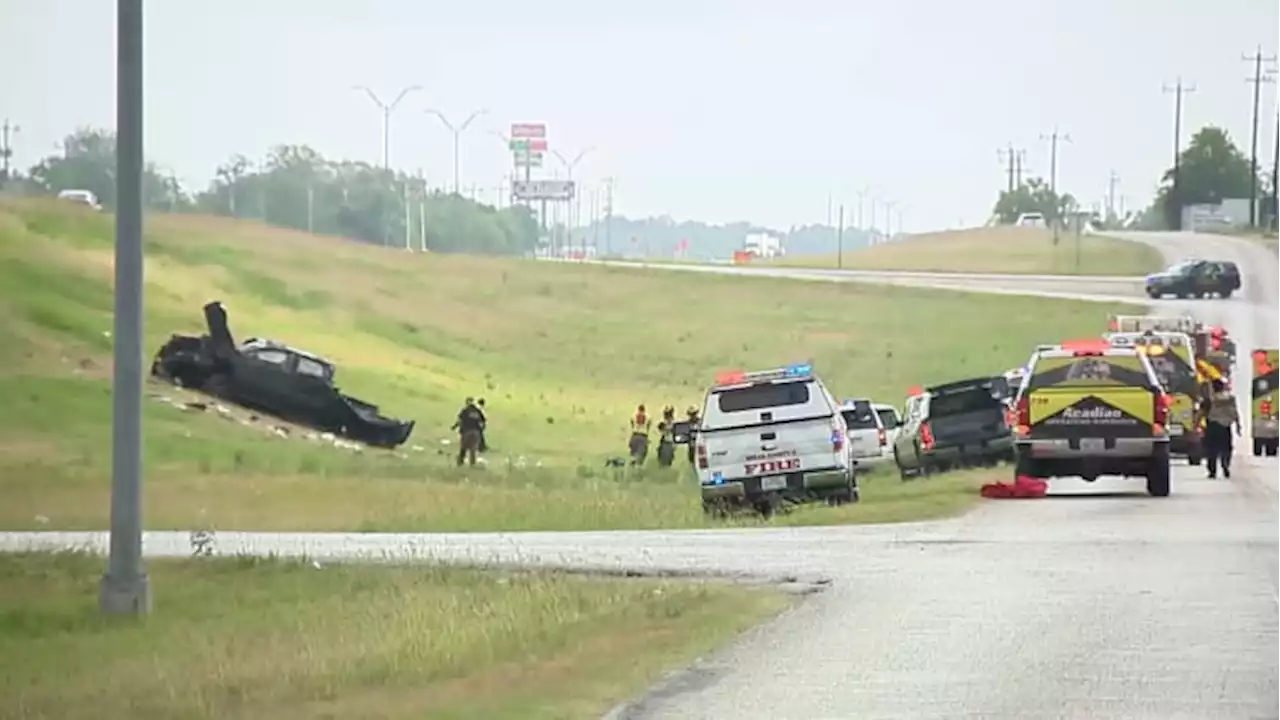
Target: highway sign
528	160
542	189
536	145
528	130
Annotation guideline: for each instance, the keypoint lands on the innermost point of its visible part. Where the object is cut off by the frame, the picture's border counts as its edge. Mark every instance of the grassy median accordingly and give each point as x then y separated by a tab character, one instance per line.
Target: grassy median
1013	250
275	640
562	353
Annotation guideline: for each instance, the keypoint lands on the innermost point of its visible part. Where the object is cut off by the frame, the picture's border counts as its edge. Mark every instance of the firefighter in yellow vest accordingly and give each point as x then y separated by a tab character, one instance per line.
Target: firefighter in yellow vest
638	445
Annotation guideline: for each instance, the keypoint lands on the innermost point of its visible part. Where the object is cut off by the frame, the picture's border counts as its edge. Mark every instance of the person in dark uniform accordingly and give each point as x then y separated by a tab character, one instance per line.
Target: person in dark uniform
1221	414
470	426
484	424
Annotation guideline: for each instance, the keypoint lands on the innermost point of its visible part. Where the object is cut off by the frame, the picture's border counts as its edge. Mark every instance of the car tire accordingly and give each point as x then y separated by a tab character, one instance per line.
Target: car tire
1158	472
1259	446
1226	294
902	472
1270	448
1194	460
1153	294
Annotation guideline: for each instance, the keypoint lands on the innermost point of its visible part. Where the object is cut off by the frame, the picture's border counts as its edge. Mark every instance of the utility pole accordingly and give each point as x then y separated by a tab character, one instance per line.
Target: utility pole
1009	156
7	131
1111	194
125	589
1020	159
1175	192
1053	139
1275	177
457	131
840	239
608	216
1257	80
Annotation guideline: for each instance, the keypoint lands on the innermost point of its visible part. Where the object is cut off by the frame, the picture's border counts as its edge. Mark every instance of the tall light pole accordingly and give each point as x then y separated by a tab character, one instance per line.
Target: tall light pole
125	588
569	165
457	131
387	109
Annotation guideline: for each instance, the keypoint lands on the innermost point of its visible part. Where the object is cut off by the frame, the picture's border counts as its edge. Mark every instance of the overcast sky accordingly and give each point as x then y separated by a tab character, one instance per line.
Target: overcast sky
716	110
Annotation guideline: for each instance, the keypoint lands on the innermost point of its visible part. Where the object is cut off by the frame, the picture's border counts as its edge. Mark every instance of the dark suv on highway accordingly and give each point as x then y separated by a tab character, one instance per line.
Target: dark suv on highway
1196	278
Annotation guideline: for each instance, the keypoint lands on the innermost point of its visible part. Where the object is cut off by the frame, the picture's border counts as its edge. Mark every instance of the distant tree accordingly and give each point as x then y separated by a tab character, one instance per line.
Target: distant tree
1211	169
1033	195
295	186
88	162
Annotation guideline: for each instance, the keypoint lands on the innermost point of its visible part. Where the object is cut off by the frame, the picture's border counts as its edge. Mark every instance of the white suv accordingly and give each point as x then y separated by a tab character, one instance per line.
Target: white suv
772	436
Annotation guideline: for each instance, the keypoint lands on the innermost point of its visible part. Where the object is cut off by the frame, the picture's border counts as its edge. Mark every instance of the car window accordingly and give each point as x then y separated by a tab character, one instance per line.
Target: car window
762	396
888	418
859	417
275	357
311	368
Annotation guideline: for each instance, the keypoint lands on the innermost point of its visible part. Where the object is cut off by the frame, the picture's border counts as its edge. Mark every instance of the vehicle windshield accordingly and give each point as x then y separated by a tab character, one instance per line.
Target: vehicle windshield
1182	267
1173	373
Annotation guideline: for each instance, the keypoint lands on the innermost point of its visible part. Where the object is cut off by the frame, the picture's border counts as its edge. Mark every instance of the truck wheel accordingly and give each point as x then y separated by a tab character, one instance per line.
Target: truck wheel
902	472
1158	473
1270	447
1194	459
1226	294
1259	445
1026	466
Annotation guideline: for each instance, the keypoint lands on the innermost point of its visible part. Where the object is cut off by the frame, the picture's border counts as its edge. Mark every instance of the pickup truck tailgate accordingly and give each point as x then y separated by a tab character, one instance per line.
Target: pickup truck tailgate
769	449
967	415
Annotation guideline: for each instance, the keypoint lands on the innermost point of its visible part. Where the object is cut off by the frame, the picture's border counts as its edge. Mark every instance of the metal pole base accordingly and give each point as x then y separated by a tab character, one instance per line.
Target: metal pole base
125	595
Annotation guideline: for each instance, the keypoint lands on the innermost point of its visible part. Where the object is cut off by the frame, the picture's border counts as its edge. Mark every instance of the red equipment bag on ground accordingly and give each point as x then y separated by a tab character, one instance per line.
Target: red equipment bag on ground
1024	486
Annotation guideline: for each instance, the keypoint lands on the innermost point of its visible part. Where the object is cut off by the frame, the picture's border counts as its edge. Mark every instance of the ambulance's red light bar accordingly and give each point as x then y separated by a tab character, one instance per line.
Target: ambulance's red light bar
1089	346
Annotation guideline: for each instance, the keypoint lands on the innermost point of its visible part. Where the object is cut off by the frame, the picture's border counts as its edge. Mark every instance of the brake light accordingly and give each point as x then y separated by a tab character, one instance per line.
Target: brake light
702	456
1265	408
883	440
1022	418
926	435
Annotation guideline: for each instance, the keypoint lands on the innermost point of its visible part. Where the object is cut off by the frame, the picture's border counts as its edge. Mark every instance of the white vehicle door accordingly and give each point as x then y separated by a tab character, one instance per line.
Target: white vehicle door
768	429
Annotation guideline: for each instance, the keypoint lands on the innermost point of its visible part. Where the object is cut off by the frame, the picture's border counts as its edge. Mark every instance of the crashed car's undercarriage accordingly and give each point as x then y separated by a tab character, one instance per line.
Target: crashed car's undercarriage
273	378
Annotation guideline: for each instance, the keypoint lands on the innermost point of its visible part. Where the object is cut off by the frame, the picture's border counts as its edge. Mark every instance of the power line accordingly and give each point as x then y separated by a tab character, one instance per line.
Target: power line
1257	80
1175	192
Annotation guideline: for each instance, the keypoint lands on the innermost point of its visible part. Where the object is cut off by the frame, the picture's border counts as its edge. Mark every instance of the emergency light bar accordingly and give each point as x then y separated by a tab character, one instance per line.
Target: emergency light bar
737	377
1158	323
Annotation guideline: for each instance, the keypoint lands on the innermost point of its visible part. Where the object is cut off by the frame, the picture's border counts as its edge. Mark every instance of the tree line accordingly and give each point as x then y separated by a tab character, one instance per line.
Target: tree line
1211	168
295	186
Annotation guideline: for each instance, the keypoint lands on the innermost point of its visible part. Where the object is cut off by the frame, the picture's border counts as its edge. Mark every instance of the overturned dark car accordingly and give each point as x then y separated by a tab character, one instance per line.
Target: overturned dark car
273	378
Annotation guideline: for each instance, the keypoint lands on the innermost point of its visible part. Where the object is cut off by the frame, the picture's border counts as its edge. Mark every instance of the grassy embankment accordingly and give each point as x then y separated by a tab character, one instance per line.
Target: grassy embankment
1014	250
562	352
265	640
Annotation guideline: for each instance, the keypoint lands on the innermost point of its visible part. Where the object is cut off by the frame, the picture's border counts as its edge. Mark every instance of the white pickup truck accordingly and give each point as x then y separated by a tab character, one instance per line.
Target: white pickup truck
772	436
867	434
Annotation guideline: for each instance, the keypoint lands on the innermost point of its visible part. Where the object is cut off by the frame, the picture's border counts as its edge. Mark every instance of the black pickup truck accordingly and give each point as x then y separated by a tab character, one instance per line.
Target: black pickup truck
955	425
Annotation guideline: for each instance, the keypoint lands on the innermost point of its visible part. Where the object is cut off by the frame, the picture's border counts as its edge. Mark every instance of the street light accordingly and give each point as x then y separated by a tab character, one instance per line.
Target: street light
125	588
387	109
569	165
457	136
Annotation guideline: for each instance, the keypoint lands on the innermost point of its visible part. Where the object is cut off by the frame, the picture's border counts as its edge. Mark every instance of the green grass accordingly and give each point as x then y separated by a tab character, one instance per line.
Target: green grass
1013	250
561	352
249	638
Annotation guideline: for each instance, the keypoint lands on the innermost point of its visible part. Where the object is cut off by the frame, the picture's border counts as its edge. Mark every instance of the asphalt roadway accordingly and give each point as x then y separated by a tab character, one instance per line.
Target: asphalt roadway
1096	602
